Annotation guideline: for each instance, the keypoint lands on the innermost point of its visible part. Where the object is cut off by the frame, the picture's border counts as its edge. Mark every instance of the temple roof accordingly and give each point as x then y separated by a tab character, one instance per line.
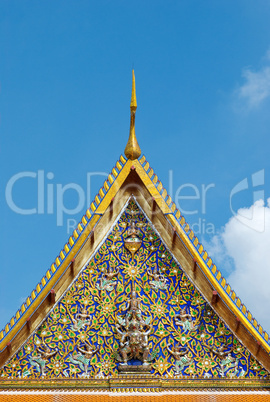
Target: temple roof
132	175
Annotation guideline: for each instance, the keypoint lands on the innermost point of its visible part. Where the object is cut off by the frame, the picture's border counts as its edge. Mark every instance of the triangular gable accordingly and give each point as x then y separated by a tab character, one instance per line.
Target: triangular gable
81	337
136	177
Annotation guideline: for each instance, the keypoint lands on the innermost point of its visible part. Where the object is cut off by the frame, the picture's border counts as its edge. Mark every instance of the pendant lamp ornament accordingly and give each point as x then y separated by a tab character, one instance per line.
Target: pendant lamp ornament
133	241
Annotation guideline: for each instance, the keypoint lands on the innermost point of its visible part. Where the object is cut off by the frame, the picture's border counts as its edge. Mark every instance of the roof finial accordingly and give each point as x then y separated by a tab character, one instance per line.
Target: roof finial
132	150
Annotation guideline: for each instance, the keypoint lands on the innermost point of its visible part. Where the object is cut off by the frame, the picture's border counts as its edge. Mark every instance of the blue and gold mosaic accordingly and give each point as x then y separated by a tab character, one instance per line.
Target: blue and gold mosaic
133	307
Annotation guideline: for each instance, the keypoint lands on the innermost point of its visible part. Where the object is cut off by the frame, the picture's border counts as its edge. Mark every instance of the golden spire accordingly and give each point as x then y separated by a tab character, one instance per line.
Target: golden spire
132	150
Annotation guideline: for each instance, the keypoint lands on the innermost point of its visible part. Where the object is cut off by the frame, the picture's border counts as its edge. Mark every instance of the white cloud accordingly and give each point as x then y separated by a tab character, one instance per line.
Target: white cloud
249	251
256	87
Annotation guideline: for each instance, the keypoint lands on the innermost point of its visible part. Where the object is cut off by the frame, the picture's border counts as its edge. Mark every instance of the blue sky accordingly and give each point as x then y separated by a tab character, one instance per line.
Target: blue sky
203	90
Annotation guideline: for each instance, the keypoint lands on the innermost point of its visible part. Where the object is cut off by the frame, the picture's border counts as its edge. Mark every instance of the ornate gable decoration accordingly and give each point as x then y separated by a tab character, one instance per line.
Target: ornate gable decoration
132	309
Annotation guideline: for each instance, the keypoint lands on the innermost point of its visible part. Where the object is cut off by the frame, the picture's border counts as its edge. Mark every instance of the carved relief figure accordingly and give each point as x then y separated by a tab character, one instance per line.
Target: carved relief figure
39	361
158	281
221	351
181	357
134	332
134	343
184	320
229	362
82	319
133	233
107	280
86	352
134	308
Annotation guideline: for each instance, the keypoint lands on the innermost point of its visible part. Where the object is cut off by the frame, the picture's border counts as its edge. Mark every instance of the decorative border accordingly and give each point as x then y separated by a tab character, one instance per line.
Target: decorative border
136	391
144	384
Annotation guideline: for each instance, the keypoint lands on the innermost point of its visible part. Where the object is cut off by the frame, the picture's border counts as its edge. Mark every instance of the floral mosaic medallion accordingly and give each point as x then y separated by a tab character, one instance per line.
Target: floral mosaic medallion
132	305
